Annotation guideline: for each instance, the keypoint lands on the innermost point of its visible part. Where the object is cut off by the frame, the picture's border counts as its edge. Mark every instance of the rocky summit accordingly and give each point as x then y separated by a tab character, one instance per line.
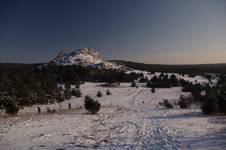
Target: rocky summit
84	57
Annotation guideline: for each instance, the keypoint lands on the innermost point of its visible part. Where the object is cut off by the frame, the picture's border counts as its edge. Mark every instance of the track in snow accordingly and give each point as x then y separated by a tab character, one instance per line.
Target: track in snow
152	135
140	130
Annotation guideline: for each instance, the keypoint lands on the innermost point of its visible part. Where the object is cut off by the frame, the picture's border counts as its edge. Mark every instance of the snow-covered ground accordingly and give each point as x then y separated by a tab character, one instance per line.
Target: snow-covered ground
196	79
130	118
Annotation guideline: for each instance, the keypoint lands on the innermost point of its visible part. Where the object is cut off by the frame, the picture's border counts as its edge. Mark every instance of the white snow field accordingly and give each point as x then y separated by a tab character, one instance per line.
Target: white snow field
197	78
130	118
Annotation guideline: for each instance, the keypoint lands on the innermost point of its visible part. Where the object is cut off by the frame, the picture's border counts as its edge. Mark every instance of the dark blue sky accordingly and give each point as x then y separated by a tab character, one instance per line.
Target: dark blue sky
151	31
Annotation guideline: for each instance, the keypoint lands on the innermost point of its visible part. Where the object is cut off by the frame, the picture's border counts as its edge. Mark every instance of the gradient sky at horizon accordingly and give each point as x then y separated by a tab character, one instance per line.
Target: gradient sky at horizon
150	31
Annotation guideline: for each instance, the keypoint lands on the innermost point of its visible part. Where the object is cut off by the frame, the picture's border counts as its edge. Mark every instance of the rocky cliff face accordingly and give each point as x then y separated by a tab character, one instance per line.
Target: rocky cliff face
84	57
59	56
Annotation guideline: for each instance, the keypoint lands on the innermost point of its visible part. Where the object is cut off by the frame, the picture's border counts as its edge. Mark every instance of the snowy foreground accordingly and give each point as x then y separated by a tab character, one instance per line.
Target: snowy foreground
130	118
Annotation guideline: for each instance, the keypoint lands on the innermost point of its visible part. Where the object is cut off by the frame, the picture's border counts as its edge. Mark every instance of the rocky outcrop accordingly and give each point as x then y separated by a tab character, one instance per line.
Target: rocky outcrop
59	56
83	56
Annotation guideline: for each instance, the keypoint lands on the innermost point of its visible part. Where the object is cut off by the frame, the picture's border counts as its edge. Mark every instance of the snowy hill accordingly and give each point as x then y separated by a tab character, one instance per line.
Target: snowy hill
83	57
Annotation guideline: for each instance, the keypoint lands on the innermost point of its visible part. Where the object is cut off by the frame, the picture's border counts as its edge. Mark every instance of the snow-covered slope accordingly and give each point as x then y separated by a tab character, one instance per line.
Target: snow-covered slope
129	119
197	79
84	57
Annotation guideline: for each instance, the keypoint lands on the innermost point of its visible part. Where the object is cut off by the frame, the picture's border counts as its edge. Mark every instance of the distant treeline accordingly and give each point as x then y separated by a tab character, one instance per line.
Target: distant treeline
60	74
6	67
189	69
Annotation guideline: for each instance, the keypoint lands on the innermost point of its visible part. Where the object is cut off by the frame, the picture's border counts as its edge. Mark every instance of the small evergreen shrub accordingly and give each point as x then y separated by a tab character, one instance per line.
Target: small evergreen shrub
108	92
209	107
143	80
185	102
67	94
76	92
133	84
49	110
196	94
154	79
149	84
77	86
58	95
185	89
99	94
69	105
91	105
166	104
39	110
221	104
11	108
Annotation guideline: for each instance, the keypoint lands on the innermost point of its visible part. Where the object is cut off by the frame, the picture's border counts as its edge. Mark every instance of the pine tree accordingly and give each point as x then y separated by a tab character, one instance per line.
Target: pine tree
91	105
